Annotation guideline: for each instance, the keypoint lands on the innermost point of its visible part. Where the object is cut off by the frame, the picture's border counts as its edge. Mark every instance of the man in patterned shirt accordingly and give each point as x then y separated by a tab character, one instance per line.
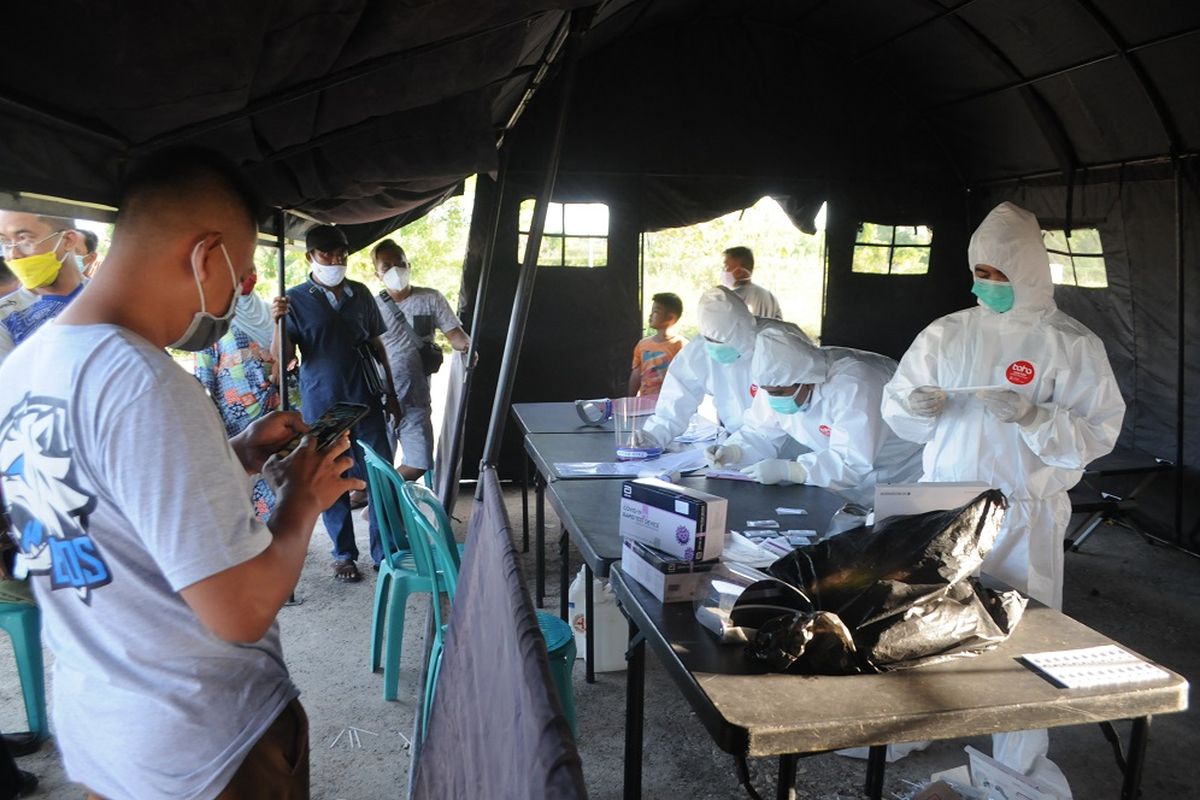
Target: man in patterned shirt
35	248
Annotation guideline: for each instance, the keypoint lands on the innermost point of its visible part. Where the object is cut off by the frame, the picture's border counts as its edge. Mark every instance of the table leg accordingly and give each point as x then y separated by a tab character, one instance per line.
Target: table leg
525	462
635	687
589	643
564	573
876	764
1138	738
786	788
539	532
1087	528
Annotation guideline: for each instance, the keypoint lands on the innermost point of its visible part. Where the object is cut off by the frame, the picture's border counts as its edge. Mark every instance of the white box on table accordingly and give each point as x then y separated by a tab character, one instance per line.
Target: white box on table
682	522
669	581
894	499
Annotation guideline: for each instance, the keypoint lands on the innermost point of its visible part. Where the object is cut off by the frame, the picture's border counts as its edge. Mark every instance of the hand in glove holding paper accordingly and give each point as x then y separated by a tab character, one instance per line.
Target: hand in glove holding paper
645	439
776	470
926	401
1009	406
722	455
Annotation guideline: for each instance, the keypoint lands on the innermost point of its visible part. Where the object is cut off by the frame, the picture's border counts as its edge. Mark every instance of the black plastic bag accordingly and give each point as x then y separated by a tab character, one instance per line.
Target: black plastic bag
902	590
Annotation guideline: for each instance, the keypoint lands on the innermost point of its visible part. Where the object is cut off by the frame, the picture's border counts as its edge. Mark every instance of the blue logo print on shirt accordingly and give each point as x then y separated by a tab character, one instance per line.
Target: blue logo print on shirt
48	508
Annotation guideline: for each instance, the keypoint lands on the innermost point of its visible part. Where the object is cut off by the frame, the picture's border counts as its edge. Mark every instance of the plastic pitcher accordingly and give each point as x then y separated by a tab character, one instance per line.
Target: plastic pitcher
626	411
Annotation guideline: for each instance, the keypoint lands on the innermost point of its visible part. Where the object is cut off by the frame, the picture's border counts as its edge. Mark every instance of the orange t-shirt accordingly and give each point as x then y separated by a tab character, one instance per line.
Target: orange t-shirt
653	358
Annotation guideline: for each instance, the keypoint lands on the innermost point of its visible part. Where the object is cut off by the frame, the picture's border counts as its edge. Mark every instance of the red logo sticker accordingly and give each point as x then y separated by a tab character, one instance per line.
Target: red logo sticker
1020	372
754	390
825	430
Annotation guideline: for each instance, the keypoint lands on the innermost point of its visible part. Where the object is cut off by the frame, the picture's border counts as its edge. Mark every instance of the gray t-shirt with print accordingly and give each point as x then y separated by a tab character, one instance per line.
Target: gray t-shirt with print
426	312
123	490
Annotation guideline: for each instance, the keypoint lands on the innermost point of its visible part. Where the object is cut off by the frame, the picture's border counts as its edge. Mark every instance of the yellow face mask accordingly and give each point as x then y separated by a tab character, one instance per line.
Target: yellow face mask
39	270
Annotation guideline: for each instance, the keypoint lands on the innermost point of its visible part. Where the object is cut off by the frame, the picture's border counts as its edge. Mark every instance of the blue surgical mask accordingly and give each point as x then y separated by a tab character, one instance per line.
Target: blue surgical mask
787	403
722	353
996	295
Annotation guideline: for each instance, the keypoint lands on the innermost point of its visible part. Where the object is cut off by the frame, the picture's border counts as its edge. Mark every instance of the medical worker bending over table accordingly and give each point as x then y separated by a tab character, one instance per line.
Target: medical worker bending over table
827	399
1048	405
715	363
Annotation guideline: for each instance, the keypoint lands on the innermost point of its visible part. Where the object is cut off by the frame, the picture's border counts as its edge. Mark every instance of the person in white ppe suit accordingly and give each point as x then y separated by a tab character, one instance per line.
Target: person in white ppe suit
827	399
1049	405
716	363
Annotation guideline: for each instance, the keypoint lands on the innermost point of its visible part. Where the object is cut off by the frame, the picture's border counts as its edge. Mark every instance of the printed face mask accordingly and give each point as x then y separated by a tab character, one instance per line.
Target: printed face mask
205	327
996	295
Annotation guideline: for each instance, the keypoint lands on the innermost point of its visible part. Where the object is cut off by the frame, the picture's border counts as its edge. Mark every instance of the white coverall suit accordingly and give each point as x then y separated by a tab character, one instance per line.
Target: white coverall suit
693	373
1055	363
852	448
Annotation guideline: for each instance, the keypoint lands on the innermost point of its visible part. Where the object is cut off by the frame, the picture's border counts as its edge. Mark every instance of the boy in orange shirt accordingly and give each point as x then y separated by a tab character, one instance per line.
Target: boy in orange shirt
653	355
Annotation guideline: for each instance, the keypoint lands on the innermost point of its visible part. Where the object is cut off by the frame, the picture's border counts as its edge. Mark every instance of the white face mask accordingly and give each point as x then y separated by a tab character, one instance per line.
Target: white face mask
328	274
396	279
727	279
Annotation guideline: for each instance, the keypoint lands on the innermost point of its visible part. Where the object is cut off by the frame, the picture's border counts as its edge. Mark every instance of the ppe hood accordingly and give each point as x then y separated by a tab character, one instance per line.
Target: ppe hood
724	318
1010	239
781	358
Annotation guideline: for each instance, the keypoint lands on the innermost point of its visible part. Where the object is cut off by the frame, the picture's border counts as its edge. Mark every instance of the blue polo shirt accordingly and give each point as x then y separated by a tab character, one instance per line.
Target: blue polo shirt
327	336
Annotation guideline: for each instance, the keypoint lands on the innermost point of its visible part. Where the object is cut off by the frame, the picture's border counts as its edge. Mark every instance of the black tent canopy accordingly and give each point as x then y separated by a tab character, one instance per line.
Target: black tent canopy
366	113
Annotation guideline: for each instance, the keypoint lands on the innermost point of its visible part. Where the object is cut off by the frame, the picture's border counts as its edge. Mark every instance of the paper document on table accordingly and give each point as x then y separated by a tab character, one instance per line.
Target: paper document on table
683	461
700	429
1105	665
743	551
972	389
727	474
784	510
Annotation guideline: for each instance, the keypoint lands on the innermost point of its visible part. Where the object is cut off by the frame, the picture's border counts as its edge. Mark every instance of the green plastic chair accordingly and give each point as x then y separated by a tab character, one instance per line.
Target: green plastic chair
426	520
23	621
403	571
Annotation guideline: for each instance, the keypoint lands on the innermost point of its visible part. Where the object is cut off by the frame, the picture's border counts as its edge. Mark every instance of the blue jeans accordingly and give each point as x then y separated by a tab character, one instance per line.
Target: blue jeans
337	518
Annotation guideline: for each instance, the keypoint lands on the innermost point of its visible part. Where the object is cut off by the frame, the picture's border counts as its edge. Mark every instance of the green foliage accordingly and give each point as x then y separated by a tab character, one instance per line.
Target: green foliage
789	263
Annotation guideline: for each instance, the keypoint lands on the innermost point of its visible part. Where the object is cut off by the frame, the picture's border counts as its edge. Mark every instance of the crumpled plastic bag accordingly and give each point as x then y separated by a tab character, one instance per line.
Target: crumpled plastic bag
895	595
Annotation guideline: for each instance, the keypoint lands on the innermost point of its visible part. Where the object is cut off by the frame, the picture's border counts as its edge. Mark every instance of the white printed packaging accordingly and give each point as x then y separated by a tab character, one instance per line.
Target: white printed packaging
685	523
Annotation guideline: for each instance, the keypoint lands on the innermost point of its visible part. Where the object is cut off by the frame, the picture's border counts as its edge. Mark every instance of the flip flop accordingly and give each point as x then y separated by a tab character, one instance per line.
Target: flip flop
346	572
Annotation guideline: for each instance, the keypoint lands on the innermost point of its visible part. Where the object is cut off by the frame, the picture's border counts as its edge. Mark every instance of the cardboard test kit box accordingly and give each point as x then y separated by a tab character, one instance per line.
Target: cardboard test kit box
682	522
668	579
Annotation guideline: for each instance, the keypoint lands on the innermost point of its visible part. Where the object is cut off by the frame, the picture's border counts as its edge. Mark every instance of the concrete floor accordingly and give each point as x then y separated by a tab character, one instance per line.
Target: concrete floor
1145	596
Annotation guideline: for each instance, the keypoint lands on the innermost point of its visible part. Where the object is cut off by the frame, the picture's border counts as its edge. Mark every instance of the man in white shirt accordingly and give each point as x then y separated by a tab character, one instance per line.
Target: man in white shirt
736	275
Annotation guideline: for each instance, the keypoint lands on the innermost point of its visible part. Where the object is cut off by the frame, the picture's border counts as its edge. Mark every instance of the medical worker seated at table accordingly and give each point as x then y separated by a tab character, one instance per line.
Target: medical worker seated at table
827	399
1050	405
716	363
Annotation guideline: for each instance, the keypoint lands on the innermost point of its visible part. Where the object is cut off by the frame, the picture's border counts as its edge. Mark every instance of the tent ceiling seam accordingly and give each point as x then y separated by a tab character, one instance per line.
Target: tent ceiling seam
875	48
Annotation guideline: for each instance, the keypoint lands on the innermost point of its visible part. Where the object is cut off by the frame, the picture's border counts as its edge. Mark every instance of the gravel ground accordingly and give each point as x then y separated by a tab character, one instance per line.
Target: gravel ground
1145	596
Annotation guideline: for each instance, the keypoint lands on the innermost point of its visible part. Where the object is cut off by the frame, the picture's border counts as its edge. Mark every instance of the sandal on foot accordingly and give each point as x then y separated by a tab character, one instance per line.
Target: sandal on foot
346	572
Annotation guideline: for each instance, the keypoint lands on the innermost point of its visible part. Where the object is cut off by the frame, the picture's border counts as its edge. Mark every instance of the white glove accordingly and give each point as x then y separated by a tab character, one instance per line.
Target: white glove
1008	406
776	470
926	401
718	455
645	439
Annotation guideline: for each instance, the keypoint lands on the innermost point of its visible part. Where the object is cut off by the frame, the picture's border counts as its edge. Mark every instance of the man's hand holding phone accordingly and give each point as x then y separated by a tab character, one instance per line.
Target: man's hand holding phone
310	474
265	436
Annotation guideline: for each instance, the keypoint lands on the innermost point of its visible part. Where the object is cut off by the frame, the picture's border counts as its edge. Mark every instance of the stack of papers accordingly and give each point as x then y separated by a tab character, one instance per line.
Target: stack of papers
684	461
1106	665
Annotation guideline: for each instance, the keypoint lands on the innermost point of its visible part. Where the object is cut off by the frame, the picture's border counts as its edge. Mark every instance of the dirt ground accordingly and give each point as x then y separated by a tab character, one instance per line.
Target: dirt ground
1142	595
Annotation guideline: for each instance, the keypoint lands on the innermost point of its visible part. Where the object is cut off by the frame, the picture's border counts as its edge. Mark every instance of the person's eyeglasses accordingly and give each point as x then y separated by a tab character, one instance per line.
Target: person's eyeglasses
24	243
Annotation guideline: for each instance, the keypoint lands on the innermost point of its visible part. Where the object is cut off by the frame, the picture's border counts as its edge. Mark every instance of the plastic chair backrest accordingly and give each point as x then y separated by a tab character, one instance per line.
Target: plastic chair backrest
387	504
425	516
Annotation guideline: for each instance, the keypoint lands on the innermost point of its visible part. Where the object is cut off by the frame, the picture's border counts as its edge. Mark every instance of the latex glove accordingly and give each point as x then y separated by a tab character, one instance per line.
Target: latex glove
718	455
1008	406
776	470
645	439
926	401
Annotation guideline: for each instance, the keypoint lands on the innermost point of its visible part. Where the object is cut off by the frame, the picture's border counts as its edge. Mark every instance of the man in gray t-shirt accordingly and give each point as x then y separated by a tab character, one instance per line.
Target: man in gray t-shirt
413	315
158	585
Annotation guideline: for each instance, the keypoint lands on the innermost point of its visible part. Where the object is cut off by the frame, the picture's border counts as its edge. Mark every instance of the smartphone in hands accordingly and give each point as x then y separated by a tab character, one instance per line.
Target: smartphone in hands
332	424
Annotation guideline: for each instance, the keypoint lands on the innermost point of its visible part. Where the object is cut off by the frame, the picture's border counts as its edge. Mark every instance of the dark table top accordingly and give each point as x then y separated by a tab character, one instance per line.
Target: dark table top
589	511
756	714
1126	461
548	449
554	418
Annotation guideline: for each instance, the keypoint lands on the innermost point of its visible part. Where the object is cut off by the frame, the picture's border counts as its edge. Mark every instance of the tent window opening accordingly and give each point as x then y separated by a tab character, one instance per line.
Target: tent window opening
1077	260
576	234
892	249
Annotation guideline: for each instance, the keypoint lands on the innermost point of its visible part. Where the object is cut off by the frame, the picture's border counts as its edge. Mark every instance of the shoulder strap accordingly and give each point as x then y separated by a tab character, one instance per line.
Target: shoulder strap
332	313
400	316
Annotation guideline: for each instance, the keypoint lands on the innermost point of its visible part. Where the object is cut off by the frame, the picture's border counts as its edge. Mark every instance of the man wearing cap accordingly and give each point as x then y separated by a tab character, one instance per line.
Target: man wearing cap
329	317
827	399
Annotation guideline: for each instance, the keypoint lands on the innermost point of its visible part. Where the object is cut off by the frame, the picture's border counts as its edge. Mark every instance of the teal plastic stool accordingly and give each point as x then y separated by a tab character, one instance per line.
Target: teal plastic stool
24	625
560	648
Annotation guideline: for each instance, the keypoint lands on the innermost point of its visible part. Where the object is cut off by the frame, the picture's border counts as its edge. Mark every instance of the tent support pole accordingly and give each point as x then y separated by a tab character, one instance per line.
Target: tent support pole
580	19
1180	367
281	249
